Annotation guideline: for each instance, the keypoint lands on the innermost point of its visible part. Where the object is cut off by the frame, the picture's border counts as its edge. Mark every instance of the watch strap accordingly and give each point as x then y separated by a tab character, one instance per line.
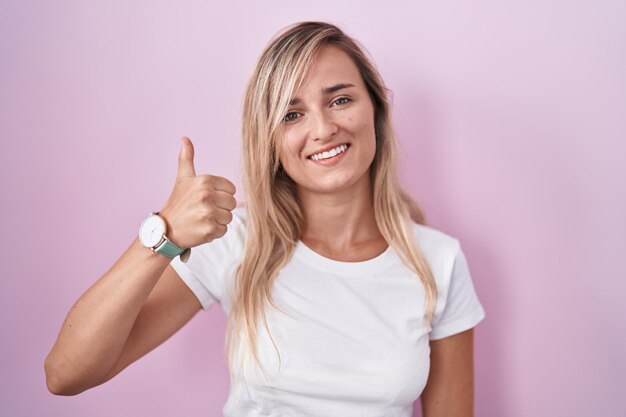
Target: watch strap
168	249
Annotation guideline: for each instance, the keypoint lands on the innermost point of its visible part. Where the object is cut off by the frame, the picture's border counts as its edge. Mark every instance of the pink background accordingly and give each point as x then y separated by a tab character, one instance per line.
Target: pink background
511	119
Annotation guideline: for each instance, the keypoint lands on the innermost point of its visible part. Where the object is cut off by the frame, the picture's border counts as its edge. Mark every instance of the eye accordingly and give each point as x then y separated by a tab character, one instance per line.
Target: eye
341	100
291	116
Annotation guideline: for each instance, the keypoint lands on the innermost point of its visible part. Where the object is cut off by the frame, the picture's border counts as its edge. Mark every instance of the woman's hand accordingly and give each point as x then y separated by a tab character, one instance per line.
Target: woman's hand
199	208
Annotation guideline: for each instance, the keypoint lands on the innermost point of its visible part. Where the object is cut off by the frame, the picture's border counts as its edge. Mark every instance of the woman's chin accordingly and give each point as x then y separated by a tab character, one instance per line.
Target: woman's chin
336	184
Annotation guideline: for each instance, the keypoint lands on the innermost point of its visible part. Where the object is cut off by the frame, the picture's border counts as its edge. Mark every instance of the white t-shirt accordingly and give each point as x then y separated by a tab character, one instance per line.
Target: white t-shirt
354	342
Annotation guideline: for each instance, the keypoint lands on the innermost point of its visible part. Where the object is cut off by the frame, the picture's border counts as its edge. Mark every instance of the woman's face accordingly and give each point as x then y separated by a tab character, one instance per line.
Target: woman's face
330	114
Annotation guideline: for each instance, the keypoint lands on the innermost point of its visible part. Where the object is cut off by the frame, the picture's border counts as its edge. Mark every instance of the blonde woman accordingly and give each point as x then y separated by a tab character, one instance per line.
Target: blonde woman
340	300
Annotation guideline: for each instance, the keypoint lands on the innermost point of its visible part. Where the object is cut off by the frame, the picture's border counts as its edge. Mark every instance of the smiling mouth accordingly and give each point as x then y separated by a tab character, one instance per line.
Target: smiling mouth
337	150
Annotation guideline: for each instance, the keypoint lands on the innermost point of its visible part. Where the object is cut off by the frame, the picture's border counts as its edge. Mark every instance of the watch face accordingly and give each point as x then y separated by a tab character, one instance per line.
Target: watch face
152	230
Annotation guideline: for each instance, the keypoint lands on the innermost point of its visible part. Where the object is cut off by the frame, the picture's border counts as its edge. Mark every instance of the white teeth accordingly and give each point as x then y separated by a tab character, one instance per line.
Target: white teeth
324	155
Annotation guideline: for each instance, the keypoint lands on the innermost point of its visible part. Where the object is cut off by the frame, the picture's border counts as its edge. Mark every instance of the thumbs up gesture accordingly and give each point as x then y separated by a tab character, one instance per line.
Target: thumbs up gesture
200	206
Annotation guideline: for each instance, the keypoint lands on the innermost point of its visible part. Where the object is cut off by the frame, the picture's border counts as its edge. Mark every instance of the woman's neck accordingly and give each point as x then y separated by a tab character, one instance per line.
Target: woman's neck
339	221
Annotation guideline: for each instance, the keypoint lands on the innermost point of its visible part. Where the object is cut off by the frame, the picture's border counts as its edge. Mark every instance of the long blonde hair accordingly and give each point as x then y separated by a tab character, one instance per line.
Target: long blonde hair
274	218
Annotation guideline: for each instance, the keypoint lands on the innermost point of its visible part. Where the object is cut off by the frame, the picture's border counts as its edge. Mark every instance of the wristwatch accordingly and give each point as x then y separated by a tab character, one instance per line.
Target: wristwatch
152	235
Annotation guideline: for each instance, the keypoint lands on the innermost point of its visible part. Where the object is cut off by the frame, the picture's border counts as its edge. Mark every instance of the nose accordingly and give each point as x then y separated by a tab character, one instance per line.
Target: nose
322	126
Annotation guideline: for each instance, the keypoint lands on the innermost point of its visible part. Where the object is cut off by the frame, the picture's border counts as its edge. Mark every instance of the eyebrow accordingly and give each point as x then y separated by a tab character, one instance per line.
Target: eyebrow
325	91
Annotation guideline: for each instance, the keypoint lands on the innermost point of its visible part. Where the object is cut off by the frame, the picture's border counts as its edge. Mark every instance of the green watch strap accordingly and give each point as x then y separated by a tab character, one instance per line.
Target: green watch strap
169	249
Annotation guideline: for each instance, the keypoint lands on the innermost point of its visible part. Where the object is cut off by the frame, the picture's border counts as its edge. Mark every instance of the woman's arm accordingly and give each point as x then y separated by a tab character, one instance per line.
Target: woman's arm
140	301
138	304
449	391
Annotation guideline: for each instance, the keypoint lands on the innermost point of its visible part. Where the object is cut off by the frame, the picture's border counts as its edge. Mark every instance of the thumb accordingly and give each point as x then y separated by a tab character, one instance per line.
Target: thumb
185	159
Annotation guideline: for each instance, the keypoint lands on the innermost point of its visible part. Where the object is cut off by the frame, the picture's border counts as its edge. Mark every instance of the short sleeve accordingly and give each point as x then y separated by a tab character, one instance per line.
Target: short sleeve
210	266
462	309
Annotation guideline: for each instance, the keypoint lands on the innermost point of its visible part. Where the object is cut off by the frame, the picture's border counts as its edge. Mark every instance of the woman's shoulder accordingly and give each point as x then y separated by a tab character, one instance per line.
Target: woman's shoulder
437	245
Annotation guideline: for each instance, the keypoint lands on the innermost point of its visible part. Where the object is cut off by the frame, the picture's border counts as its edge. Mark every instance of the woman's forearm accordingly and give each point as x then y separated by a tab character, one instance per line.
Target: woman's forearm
96	328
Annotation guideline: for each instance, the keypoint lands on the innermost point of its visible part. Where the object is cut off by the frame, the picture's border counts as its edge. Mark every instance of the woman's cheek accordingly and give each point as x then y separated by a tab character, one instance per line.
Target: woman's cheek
291	149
